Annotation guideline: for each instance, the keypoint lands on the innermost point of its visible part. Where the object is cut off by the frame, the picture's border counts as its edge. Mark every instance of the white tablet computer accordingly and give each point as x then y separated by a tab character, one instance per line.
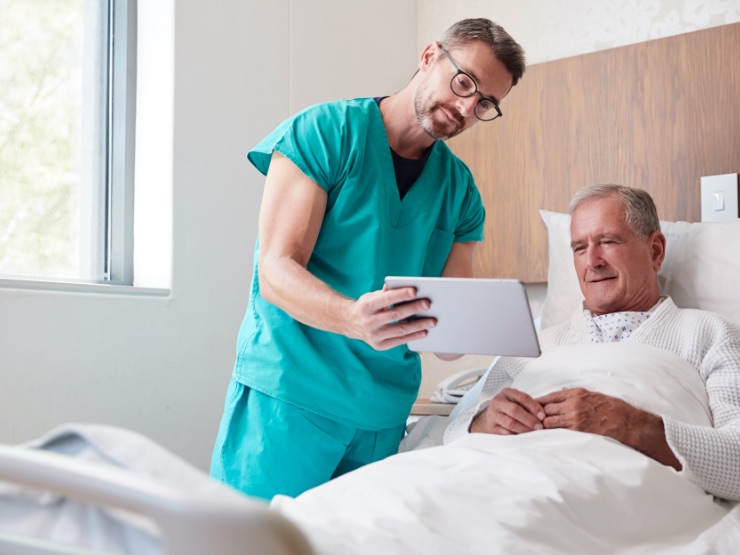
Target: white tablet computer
474	316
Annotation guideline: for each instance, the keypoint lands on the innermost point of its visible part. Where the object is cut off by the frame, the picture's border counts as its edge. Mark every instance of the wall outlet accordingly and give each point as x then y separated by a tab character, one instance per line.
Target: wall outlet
719	198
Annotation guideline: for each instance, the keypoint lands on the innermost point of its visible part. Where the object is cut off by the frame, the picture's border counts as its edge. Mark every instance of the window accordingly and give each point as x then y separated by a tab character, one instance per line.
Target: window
67	91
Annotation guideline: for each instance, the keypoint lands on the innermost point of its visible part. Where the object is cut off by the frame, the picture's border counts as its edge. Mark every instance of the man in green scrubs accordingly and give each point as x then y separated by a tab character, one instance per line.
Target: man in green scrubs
355	191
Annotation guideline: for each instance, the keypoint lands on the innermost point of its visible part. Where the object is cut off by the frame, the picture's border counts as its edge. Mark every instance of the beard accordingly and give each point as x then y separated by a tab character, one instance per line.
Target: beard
425	112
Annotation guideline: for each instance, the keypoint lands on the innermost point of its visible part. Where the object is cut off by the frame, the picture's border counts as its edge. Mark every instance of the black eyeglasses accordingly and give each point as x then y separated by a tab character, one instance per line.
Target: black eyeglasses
462	84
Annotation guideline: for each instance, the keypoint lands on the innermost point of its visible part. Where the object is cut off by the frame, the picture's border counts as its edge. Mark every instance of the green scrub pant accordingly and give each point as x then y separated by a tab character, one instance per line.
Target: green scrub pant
267	447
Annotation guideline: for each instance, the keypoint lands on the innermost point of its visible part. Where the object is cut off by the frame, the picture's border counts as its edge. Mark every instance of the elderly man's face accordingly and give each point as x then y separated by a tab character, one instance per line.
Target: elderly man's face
617	270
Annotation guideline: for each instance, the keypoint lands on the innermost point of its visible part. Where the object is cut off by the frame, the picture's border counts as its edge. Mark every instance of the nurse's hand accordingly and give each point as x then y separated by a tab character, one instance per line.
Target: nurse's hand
385	319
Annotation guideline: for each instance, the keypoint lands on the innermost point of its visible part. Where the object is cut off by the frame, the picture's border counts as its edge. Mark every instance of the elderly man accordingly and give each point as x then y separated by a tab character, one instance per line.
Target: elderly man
618	249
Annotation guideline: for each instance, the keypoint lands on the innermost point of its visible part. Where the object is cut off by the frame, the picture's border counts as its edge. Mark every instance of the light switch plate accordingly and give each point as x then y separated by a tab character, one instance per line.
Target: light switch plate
719	198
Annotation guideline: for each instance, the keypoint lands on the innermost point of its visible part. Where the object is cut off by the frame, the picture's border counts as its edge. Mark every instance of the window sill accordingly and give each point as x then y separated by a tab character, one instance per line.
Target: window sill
60	286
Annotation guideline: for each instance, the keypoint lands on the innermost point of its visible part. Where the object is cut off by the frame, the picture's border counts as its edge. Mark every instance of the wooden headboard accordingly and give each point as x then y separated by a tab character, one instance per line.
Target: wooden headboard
656	115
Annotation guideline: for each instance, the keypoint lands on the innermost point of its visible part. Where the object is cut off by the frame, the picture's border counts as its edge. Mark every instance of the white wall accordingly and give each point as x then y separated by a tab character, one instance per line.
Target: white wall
554	29
160	365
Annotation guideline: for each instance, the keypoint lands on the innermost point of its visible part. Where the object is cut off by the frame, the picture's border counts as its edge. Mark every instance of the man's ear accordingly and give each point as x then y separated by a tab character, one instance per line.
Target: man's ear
657	248
428	56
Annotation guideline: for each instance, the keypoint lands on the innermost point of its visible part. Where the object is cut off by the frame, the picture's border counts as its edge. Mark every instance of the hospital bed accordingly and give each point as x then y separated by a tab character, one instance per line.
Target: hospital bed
563	492
75	492
552	492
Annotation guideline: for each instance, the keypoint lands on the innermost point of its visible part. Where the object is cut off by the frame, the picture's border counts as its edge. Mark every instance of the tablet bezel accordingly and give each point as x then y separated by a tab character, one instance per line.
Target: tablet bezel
476	316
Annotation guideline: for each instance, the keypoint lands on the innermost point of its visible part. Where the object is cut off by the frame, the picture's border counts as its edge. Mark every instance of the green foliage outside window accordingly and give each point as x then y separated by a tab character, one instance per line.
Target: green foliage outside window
40	136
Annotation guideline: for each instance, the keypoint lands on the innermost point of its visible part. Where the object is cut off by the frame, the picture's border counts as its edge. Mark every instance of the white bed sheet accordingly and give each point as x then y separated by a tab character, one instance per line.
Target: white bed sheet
552	492
546	492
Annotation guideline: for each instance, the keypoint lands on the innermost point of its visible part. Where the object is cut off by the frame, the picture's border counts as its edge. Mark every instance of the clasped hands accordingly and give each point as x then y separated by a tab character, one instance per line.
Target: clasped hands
515	412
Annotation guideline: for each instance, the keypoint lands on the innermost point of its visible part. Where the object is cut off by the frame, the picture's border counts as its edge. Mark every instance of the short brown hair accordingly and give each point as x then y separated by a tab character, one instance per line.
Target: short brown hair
504	47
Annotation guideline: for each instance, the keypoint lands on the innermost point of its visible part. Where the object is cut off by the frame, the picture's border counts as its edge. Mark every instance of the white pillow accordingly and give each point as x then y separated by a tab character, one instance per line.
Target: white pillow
701	268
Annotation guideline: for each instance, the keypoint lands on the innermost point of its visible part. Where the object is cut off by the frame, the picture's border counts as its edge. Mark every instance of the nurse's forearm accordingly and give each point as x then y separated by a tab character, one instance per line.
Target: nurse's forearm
379	318
290	286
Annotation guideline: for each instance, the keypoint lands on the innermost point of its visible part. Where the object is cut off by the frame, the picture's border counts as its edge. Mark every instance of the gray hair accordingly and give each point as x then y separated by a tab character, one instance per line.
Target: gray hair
504	47
639	209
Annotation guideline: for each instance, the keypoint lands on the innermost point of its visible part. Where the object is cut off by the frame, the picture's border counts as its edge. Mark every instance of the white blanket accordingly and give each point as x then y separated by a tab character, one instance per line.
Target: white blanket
647	377
546	492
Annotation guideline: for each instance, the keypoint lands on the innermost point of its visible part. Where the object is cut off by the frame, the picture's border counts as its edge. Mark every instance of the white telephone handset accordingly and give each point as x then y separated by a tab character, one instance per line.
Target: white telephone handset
452	388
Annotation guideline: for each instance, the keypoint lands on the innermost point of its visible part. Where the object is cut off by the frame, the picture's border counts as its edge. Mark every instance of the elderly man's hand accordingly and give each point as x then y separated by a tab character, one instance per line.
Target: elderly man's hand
510	412
586	411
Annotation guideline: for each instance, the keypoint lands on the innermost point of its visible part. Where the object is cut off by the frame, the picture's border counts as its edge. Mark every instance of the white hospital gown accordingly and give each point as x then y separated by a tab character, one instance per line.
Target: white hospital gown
710	343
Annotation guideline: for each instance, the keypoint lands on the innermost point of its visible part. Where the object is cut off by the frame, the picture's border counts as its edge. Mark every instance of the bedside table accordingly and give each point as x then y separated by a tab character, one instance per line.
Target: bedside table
425	407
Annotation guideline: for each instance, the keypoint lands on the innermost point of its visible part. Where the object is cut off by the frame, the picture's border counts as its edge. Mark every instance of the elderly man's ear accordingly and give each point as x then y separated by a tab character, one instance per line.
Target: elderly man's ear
658	249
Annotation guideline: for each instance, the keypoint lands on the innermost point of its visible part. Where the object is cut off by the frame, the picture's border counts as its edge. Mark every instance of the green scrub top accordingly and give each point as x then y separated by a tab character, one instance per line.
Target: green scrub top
368	233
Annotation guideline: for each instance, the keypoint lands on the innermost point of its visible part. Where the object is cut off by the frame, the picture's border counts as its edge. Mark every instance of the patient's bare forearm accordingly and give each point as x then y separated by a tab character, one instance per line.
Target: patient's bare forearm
649	438
587	411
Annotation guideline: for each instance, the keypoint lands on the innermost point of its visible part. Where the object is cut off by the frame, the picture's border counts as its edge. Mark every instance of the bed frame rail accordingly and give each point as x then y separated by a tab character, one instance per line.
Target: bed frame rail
191	523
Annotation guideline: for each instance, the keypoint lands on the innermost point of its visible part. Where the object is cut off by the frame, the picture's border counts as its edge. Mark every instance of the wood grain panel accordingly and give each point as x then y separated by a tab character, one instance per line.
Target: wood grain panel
656	115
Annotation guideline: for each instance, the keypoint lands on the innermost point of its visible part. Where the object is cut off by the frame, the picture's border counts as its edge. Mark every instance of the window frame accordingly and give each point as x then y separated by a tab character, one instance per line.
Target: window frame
118	256
106	187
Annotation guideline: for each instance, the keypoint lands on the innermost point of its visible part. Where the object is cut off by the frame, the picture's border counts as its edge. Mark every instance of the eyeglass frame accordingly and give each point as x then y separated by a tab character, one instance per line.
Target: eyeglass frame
475	88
